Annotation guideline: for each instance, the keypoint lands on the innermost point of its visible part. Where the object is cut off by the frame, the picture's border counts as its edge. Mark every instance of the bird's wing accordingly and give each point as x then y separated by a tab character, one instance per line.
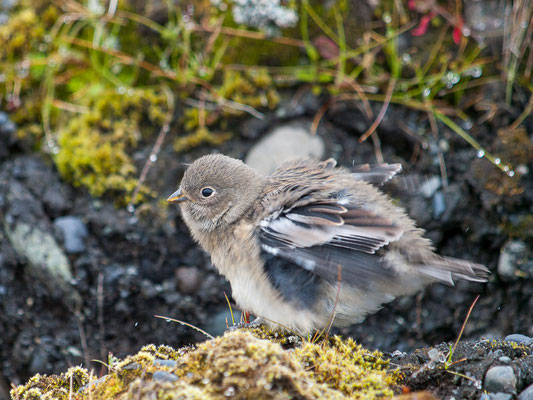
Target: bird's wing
375	173
326	235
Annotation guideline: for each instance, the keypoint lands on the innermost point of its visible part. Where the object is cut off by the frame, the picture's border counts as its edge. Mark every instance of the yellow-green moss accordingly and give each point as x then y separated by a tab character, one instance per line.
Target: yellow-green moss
95	147
55	387
237	365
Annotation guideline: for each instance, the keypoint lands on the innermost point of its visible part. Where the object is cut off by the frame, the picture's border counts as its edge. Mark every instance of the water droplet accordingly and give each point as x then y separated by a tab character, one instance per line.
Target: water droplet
47	39
451	78
43	47
52	63
166	128
387	18
406	58
121	90
467	124
506	168
136	324
206	381
474	72
153	158
168	320
131	92
230	391
497	161
426	92
466	32
130	208
510	173
480	153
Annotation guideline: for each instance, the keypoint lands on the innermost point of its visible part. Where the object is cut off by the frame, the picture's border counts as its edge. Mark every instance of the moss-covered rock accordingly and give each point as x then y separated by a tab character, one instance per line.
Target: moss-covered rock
237	365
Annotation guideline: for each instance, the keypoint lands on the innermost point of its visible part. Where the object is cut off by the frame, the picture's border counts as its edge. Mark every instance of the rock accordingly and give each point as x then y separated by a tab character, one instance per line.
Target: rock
500	379
526	394
45	256
513	256
164	376
74	233
29	232
500	396
284	143
518	338
188	279
165	363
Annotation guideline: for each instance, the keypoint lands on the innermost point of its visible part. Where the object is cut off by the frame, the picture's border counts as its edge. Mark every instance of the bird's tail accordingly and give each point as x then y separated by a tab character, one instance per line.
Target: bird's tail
446	269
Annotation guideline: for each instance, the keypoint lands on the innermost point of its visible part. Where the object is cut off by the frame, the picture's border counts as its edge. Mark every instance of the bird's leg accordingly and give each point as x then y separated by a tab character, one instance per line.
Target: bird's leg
256	323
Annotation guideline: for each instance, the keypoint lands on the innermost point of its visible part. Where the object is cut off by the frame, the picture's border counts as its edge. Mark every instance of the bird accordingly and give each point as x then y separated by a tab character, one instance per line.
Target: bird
311	244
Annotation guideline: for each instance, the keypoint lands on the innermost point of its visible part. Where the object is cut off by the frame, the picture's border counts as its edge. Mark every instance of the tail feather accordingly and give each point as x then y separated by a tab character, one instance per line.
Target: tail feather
446	269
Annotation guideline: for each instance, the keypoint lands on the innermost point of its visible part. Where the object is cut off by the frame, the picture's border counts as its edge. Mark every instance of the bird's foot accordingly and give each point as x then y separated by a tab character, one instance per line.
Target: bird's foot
256	323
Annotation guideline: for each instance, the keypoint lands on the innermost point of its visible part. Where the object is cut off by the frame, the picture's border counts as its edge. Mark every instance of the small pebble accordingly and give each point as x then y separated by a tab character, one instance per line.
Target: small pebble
518	338
504	359
133	366
500	379
165	363
74	233
188	279
164	376
513	256
527	393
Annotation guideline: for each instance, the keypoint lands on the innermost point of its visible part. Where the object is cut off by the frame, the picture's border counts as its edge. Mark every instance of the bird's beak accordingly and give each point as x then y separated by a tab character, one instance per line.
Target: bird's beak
177	197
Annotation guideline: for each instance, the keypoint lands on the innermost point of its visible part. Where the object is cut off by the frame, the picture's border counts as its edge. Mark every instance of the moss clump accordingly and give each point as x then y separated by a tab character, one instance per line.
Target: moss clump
42	387
94	147
237	365
347	367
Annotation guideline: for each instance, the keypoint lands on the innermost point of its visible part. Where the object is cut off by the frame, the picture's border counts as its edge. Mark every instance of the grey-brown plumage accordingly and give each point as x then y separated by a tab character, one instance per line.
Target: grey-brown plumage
283	241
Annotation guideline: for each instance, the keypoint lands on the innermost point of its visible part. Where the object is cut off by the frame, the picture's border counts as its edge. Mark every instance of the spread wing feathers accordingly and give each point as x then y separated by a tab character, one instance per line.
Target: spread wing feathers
323	236
446	269
375	173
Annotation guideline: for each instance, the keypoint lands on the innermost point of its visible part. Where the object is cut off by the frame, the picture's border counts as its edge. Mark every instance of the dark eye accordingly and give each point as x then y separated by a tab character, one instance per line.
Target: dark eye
207	192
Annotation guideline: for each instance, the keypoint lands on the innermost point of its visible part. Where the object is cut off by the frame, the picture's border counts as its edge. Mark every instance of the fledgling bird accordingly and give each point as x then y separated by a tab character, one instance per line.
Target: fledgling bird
310	241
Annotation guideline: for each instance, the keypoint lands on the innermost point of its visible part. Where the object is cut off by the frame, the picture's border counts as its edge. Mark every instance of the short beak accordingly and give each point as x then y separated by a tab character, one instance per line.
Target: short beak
177	197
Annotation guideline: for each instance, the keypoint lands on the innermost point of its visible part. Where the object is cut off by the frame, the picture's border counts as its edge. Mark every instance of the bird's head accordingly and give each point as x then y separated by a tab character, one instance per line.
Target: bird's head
216	190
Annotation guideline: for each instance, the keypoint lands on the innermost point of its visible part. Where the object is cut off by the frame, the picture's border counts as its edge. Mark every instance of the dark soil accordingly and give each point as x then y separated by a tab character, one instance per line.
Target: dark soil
127	272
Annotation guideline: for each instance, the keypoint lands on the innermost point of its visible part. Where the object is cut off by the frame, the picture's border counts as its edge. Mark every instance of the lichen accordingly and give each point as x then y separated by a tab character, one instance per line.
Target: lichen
237	365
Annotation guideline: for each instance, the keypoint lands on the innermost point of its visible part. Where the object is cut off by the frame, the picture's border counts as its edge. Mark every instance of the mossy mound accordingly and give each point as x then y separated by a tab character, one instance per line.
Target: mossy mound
237	365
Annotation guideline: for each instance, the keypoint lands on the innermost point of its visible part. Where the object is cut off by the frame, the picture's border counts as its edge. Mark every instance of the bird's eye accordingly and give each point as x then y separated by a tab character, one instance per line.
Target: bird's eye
207	192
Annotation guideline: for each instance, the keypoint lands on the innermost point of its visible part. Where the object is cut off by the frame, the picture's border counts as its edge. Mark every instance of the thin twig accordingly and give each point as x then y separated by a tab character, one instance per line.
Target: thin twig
384	107
156	148
448	361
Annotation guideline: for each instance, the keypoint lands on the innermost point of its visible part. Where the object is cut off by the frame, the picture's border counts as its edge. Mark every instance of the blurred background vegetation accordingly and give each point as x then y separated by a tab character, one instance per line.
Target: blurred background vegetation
89	82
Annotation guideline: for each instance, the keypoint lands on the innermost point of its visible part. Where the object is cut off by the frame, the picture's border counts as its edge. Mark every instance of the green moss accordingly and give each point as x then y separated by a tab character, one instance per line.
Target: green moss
237	365
95	147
